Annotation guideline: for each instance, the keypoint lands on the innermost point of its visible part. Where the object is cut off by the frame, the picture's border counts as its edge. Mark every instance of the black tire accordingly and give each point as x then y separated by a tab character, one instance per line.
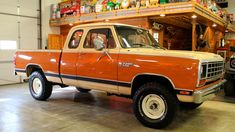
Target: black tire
38	80
163	99
82	90
189	106
229	88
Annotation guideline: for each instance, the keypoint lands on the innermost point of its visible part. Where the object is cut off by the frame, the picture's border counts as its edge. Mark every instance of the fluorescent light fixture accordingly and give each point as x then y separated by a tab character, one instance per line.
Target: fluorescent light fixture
162	15
194	16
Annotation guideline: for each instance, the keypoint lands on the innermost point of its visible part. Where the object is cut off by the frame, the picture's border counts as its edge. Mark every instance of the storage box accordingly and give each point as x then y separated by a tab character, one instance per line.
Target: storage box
163	1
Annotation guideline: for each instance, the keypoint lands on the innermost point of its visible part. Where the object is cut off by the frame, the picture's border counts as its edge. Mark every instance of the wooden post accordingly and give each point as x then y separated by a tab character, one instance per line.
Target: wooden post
194	35
161	37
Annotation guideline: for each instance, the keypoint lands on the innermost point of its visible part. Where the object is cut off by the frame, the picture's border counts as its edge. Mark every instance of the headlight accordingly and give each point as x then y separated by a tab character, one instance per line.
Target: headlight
232	63
203	71
202	76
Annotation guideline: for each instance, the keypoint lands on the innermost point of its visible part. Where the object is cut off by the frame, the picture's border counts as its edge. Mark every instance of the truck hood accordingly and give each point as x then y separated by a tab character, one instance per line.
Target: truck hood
201	56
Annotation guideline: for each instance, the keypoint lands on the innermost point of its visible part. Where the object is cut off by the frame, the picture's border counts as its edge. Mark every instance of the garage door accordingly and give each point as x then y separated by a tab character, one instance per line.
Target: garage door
18	30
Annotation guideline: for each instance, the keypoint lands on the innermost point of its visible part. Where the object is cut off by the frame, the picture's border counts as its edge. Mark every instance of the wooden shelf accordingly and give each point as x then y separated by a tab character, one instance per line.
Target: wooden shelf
177	14
125	13
168	9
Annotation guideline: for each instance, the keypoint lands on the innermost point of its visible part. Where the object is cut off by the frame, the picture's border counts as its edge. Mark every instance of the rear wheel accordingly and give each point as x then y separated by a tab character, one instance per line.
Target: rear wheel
154	106
83	90
39	87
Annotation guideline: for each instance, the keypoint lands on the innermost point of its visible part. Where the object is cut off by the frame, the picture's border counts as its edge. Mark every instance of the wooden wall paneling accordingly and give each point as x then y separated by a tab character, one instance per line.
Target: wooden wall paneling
208	37
55	42
218	35
64	30
161	37
213	38
175	38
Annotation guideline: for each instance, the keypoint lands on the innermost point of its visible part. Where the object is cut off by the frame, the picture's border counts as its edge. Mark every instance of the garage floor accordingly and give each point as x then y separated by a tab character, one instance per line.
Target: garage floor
69	110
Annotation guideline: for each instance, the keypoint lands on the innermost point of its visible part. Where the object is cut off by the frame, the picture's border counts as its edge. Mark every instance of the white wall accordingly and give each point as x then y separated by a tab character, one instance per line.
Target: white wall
46	29
19	23
231	7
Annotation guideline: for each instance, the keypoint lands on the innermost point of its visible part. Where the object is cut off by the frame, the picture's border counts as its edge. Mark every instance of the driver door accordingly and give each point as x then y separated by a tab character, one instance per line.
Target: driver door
97	69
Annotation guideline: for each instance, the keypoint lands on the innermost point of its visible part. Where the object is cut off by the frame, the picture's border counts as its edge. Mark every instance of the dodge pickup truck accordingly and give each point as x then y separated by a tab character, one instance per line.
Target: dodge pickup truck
126	61
229	86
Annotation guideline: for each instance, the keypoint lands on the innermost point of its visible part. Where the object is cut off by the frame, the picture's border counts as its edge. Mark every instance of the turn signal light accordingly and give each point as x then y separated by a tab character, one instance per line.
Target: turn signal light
14	60
185	93
202	82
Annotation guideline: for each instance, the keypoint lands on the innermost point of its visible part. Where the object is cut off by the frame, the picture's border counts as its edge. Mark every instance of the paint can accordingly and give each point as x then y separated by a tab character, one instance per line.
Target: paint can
54	9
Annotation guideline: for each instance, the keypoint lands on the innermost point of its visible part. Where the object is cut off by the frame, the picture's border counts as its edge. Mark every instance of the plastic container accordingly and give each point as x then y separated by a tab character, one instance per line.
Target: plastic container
163	1
98	8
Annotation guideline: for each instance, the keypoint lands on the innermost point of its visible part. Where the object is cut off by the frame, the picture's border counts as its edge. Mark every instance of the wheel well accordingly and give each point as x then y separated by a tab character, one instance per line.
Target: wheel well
142	79
32	68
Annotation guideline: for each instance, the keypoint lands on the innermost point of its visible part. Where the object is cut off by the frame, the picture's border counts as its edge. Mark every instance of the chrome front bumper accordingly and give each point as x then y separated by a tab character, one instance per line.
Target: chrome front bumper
200	96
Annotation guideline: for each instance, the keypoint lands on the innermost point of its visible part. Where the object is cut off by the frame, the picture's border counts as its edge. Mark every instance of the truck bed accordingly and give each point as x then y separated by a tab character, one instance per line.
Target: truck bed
47	60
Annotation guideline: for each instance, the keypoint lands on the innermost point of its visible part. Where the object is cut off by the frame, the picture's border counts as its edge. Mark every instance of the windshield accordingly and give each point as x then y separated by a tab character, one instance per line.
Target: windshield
131	37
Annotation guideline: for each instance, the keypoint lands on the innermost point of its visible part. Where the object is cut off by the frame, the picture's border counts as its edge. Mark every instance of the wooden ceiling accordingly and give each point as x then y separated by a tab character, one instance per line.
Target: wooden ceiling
182	21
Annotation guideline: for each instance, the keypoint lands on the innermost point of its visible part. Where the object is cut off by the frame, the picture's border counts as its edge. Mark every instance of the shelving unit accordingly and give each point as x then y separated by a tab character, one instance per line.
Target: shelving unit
186	8
177	14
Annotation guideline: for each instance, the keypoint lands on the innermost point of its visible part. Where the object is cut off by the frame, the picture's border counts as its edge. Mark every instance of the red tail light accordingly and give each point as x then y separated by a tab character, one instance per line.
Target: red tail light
14	60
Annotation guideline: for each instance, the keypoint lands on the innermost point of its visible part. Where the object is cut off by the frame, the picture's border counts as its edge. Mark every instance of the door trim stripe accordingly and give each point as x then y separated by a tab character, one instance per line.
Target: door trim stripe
74	77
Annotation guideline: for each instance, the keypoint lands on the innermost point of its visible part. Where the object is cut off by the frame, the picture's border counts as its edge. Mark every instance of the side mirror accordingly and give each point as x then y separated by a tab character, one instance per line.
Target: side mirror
232	48
99	43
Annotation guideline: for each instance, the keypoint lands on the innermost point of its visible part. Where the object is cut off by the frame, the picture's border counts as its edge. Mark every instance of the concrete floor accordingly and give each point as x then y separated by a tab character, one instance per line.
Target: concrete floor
68	110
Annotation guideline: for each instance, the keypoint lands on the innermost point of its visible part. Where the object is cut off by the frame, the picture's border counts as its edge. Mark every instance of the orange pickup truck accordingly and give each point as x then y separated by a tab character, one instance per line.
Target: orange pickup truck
126	61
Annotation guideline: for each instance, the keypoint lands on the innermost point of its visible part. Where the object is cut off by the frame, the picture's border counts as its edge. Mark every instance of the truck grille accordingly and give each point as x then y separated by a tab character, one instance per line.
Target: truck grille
214	70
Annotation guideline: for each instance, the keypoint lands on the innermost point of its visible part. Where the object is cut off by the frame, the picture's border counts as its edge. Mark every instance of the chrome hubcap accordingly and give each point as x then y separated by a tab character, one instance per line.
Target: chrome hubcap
37	86
153	106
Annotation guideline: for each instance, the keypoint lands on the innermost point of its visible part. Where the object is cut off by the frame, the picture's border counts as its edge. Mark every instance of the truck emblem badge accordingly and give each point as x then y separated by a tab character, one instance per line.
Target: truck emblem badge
125	64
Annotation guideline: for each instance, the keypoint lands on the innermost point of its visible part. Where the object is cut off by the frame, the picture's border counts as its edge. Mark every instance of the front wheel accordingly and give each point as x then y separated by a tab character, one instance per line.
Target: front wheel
154	105
229	88
39	87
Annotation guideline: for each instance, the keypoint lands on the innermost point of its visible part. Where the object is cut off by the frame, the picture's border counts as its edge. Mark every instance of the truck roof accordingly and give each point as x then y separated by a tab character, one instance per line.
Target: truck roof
104	24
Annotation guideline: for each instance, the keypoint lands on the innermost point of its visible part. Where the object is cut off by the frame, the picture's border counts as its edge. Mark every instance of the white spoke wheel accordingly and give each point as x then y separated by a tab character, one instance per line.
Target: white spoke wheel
155	105
39	87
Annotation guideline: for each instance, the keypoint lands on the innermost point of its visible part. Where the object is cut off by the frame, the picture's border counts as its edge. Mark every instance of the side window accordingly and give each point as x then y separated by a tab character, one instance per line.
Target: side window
75	39
104	34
